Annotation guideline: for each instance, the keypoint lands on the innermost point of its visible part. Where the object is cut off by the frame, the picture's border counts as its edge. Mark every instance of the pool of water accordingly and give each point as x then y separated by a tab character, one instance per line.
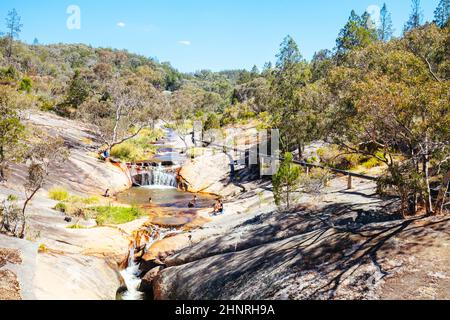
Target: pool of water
168	206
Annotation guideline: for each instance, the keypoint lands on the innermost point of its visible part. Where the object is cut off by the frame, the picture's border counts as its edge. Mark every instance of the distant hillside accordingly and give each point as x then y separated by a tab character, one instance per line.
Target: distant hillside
52	68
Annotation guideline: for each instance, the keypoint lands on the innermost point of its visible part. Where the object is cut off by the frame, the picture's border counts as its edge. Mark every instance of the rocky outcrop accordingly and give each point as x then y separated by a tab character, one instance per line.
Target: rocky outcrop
201	176
346	244
82	173
73	263
75	277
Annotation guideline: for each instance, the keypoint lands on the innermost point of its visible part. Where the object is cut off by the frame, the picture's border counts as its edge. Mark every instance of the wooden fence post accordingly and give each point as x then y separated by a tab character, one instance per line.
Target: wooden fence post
349	182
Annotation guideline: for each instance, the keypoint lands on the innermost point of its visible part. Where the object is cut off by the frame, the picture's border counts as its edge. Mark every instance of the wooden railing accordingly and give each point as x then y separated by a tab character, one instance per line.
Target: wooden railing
349	174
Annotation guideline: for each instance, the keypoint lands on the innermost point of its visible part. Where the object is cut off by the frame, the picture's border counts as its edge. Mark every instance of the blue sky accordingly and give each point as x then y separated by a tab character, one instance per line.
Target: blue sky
199	34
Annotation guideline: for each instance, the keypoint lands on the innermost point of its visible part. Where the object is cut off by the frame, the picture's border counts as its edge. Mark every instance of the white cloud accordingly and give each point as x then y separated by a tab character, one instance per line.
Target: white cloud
374	12
185	42
121	24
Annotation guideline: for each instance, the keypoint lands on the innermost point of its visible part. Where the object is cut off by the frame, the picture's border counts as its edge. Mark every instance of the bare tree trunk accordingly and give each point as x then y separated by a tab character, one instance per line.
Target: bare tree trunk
426	171
428	200
24	208
116	143
443	192
288	203
9	50
413	203
2	160
116	128
300	149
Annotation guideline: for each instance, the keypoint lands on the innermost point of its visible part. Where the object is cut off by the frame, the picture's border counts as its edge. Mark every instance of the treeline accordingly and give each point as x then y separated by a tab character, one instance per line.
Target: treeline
377	96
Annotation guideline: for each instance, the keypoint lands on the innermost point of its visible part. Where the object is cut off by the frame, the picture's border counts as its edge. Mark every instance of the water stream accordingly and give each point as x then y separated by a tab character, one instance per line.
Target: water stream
131	275
168	207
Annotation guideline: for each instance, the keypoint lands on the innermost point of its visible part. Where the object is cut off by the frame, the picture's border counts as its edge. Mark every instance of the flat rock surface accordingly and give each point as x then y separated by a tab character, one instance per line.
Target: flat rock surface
341	244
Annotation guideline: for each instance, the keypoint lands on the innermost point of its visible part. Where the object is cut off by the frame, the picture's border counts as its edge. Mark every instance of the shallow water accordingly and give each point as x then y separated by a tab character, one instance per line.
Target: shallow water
164	197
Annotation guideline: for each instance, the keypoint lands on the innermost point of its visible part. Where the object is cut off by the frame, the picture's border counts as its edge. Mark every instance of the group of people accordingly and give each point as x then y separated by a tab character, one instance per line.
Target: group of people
217	209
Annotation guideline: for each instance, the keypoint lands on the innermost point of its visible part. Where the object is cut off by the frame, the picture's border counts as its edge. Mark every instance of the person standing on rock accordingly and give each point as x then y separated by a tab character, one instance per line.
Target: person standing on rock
193	203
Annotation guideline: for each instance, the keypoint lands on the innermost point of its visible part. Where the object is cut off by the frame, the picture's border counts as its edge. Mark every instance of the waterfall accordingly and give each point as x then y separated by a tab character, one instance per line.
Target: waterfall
158	177
131	277
131	274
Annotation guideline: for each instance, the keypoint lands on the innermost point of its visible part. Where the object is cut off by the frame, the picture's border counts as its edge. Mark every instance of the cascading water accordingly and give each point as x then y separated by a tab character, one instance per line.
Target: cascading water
131	274
131	277
158	177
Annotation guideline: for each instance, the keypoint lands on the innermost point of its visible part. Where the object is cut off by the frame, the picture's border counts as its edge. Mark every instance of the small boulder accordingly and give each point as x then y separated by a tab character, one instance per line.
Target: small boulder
147	280
147	265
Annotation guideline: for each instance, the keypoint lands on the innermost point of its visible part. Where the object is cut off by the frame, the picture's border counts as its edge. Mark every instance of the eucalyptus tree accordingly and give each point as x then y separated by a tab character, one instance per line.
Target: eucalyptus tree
12	130
415	18
291	73
389	102
442	13
359	31
122	110
42	157
286	181
13	27
385	29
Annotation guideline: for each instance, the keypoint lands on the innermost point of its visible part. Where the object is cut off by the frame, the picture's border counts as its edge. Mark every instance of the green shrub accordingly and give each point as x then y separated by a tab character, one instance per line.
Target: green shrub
116	215
46	105
371	163
58	194
139	148
9	74
212	122
85	201
334	157
127	151
312	160
230	116
42	248
380	154
76	226
264	121
12	198
91	200
321	153
246	115
61	207
26	85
